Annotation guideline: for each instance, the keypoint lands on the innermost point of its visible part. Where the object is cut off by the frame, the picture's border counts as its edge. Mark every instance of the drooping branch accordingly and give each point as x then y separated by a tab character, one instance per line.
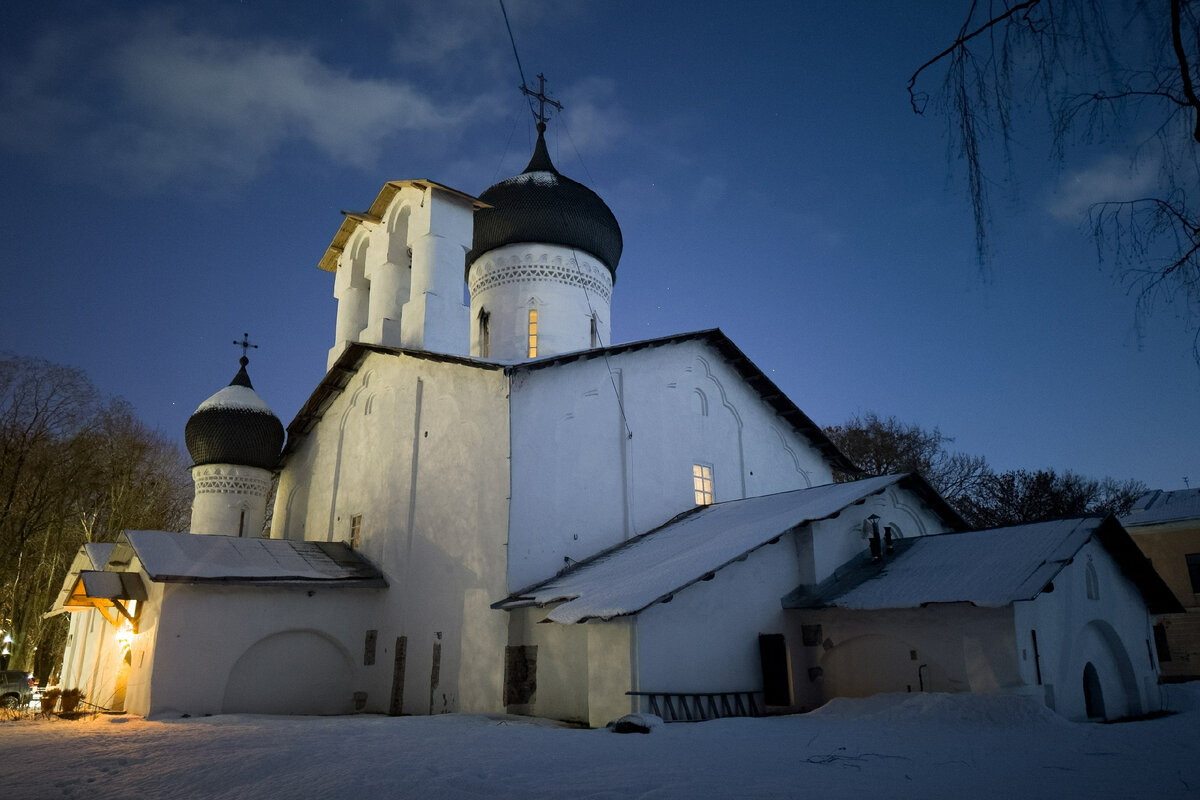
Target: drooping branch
959	42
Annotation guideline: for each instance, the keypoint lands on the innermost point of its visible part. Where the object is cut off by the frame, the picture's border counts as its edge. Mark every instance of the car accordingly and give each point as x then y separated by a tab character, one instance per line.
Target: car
16	688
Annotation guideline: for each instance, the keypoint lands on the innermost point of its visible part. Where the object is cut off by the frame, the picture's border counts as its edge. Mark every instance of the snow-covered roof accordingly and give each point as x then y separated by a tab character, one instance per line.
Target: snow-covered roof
1158	507
194	558
635	574
992	568
91	556
235	398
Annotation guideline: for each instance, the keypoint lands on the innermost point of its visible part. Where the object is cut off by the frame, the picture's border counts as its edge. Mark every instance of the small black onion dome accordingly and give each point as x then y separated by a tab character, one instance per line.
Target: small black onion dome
540	205
235	426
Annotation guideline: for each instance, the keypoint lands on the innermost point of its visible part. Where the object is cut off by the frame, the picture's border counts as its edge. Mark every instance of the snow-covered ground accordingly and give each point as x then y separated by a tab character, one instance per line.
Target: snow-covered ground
891	746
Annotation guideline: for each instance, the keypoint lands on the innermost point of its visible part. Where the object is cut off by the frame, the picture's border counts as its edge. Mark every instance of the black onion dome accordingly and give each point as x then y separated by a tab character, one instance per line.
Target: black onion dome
540	205
235	426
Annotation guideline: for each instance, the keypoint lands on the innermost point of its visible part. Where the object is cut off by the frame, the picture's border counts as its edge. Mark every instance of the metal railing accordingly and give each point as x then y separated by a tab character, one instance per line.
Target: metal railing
700	706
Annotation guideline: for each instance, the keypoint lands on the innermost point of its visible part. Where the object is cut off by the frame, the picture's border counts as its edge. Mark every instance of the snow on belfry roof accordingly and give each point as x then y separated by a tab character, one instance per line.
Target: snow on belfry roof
637	573
991	568
193	558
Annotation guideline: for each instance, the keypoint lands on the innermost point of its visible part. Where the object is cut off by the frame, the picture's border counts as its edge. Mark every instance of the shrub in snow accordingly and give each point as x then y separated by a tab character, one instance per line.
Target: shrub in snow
635	723
70	699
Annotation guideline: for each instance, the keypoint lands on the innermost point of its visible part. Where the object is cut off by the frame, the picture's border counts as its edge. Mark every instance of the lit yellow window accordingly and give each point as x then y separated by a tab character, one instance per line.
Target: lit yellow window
702	483
356	531
533	332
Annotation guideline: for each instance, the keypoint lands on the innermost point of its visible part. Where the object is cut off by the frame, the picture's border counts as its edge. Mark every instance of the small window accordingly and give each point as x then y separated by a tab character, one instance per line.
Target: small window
595	334
533	333
356	531
1193	565
702	484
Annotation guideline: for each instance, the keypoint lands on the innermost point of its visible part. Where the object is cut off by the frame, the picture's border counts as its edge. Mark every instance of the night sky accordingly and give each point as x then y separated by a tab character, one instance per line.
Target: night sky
173	173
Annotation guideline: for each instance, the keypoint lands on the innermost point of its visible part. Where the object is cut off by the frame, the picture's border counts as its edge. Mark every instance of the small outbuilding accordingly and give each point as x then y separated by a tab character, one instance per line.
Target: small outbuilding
1060	609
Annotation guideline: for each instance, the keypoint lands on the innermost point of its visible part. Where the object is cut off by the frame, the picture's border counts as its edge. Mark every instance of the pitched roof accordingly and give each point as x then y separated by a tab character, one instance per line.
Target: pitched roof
91	556
194	558
754	377
1158	507
374	214
992	568
352	358
691	547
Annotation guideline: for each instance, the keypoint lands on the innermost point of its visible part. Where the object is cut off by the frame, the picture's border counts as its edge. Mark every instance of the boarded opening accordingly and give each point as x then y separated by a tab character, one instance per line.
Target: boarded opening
396	702
520	676
776	676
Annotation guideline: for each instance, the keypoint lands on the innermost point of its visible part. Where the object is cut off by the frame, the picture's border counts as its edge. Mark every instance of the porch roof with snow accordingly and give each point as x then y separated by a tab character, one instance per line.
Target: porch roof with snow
650	568
991	568
91	556
194	558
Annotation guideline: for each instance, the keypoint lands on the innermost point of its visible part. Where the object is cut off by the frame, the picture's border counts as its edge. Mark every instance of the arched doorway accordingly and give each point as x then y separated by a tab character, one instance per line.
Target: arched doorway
1093	693
118	701
292	672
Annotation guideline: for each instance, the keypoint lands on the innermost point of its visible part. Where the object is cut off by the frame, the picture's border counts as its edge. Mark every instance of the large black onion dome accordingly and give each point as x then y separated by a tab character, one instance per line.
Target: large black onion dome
540	205
235	426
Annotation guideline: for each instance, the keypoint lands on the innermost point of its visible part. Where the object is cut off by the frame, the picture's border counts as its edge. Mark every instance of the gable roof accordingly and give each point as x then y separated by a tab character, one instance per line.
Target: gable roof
754	377
195	558
1158	508
352	358
374	214
650	568
991	568
345	368
91	556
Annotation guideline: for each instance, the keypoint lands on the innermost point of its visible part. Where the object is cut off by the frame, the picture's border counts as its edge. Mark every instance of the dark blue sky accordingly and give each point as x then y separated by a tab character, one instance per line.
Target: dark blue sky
173	173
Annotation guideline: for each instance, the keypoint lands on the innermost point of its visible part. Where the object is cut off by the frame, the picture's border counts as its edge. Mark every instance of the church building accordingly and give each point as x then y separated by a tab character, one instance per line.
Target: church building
488	506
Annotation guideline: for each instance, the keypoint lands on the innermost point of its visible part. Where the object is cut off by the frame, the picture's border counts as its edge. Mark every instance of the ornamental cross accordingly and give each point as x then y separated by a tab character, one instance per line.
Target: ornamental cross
543	100
245	344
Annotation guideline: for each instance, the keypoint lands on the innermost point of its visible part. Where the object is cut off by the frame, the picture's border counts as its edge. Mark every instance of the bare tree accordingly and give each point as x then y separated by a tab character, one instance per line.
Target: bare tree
1112	72
986	499
884	446
1021	496
73	469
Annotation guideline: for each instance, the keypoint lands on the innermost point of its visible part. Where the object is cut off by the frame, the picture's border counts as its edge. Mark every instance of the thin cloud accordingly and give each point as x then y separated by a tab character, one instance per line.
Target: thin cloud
170	103
1111	178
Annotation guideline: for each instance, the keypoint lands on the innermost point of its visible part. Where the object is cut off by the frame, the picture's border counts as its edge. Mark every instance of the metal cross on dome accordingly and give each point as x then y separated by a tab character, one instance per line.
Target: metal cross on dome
543	100
245	344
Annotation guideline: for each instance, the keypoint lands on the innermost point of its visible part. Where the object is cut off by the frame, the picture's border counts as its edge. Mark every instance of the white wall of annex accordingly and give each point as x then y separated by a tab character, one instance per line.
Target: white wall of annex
418	448
706	638
837	540
213	651
582	483
583	671
1112	632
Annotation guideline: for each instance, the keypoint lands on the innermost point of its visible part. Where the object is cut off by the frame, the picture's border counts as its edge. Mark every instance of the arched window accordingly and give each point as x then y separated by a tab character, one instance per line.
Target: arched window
1092	580
533	333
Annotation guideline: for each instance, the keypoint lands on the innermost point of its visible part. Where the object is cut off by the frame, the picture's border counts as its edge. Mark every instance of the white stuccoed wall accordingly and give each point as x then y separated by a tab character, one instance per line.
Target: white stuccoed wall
230	500
580	484
399	280
418	447
567	287
1113	632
